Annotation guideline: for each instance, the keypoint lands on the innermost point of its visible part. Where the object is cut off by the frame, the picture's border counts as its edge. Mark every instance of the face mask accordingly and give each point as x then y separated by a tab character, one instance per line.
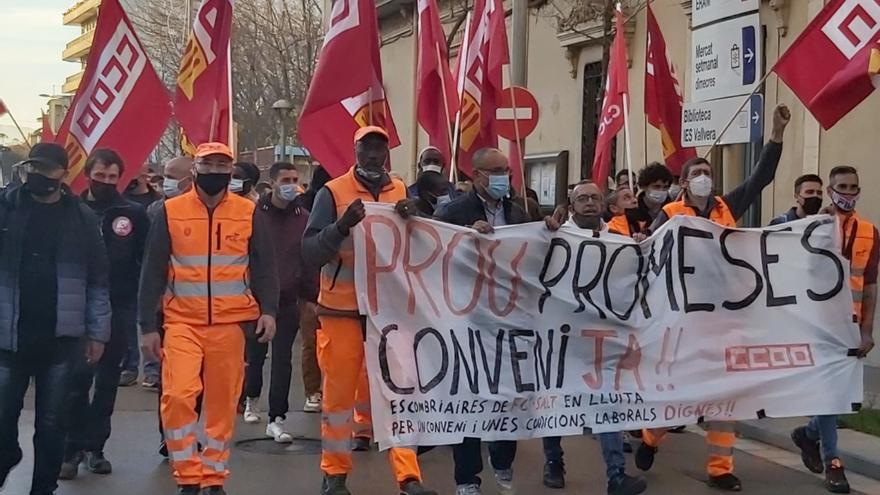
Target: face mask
844	202
701	186
236	185
369	175
40	185
432	168
102	191
288	192
632	214
442	200
499	186
213	184
812	205
674	191
655	198
171	187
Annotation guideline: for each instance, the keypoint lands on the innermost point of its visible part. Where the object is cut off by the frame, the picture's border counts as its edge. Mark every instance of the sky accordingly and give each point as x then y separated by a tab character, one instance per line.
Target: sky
31	41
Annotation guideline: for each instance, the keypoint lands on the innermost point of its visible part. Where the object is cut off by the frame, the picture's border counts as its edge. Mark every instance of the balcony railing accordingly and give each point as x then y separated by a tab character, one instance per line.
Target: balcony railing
81	11
79	47
71	84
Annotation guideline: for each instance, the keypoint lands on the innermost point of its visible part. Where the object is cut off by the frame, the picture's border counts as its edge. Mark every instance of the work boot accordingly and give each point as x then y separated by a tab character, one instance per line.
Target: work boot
468	489
627	485
835	478
414	487
251	414
360	444
98	464
334	484
810	454
727	482
504	481
554	474
213	490
187	490
645	456
70	467
128	378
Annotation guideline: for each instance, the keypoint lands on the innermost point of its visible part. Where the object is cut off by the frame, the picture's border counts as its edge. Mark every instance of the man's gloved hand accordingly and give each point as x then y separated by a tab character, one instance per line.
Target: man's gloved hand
353	215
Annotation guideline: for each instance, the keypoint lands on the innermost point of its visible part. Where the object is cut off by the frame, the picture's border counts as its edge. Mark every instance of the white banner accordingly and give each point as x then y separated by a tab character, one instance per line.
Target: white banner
526	333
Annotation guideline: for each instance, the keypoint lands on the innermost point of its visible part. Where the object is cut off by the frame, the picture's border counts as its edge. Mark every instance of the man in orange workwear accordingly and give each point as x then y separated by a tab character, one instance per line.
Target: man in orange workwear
210	261
699	200
327	243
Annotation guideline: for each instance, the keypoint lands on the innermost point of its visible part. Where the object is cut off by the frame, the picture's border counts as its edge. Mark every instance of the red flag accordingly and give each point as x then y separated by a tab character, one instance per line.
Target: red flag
46	135
663	99
121	103
611	119
434	79
202	100
843	37
346	92
481	78
3	109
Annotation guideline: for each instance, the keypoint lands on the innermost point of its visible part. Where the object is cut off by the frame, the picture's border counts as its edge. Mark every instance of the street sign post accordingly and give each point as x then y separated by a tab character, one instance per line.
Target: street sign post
526	113
702	122
726	58
707	11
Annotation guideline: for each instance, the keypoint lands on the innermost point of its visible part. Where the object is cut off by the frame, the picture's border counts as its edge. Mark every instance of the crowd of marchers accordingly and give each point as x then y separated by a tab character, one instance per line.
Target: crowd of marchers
205	267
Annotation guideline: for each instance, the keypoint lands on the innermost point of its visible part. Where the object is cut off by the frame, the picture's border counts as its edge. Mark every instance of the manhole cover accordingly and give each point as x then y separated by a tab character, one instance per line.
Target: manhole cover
299	446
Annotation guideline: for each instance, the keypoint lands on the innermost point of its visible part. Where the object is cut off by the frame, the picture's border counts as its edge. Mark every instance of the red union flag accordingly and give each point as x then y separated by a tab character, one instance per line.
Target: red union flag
611	119
46	134
346	92
2	108
121	103
202	100
844	37
663	98
480	79
434	79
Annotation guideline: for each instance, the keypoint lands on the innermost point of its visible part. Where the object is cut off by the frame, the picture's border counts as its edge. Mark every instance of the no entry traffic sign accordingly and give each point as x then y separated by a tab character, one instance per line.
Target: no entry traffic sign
526	113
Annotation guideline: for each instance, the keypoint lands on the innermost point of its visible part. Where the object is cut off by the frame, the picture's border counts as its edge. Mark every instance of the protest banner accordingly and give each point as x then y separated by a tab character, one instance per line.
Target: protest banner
526	333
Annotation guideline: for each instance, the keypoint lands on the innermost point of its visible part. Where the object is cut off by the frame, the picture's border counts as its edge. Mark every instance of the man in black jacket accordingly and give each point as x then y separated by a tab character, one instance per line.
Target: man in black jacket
124	226
54	307
487	206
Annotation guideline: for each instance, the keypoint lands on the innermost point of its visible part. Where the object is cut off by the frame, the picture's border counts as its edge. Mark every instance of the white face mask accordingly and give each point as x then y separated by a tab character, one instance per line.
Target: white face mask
171	187
701	186
433	168
236	185
655	198
674	191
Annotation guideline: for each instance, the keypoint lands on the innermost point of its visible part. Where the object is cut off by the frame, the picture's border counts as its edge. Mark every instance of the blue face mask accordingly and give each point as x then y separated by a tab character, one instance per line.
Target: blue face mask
288	192
171	187
499	186
236	185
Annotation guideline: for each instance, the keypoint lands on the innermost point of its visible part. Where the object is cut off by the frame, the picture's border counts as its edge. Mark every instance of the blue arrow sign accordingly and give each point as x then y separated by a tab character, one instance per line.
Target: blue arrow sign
750	60
756	118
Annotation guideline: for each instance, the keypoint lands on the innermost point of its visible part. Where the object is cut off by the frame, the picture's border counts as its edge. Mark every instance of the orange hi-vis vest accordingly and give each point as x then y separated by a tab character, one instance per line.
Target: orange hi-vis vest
208	277
720	213
337	276
620	225
858	242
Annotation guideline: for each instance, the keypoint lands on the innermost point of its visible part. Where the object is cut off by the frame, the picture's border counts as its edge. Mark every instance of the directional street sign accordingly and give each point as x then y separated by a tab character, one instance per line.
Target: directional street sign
702	122
706	11
526	113
726	58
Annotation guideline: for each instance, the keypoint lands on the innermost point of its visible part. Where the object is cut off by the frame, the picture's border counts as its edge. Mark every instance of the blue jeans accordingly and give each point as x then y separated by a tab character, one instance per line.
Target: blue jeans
823	429
612	452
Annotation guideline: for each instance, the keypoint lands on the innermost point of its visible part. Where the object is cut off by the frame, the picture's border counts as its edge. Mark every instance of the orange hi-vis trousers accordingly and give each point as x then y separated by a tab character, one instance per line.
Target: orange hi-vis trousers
720	439
363	416
196	359
341	358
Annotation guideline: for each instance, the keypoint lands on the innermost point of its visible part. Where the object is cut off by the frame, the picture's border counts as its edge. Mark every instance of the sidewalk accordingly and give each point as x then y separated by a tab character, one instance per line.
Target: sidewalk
860	452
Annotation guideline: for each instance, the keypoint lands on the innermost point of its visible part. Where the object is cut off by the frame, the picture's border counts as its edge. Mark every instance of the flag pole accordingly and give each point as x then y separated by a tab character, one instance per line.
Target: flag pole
20	131
232	141
519	142
462	70
738	110
627	135
415	98
445	97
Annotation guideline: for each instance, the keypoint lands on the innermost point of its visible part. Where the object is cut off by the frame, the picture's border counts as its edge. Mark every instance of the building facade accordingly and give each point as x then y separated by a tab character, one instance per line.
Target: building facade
564	73
84	14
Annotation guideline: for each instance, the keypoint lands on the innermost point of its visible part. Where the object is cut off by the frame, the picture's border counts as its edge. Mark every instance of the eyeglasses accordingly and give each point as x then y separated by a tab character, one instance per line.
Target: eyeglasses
586	198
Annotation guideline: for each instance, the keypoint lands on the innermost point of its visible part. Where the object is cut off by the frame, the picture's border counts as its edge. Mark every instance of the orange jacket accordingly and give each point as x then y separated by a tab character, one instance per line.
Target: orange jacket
337	276
858	242
720	214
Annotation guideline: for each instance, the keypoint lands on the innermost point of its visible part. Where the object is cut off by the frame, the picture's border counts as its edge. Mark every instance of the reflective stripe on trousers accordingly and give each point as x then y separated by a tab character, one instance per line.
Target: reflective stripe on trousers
720	440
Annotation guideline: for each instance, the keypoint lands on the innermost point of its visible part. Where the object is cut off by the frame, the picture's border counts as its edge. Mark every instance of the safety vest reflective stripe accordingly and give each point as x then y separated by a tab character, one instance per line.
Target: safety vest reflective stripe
217	445
362	407
216	259
719	450
183	454
199	289
337	446
720	213
337	419
216	466
180	433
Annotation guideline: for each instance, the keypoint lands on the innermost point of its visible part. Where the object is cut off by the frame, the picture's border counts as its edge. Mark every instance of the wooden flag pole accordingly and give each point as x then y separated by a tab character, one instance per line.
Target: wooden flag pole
20	131
445	98
414	154
462	64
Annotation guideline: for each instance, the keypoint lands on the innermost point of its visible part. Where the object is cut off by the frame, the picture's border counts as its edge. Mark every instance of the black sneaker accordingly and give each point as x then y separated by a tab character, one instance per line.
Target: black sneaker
645	456
627	485
70	467
163	449
678	429
8	466
627	447
360	444
98	464
414	487
554	474
213	490
810	454
727	482
151	382
128	378
188	490
334	484
835	478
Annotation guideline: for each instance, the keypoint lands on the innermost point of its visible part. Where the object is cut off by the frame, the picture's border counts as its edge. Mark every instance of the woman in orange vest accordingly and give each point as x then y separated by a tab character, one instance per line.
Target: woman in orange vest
327	243
211	263
698	200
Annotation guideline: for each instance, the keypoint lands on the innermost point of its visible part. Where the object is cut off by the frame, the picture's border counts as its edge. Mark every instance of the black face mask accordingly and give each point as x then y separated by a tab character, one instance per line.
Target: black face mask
102	191
40	185
213	184
632	215
812	205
